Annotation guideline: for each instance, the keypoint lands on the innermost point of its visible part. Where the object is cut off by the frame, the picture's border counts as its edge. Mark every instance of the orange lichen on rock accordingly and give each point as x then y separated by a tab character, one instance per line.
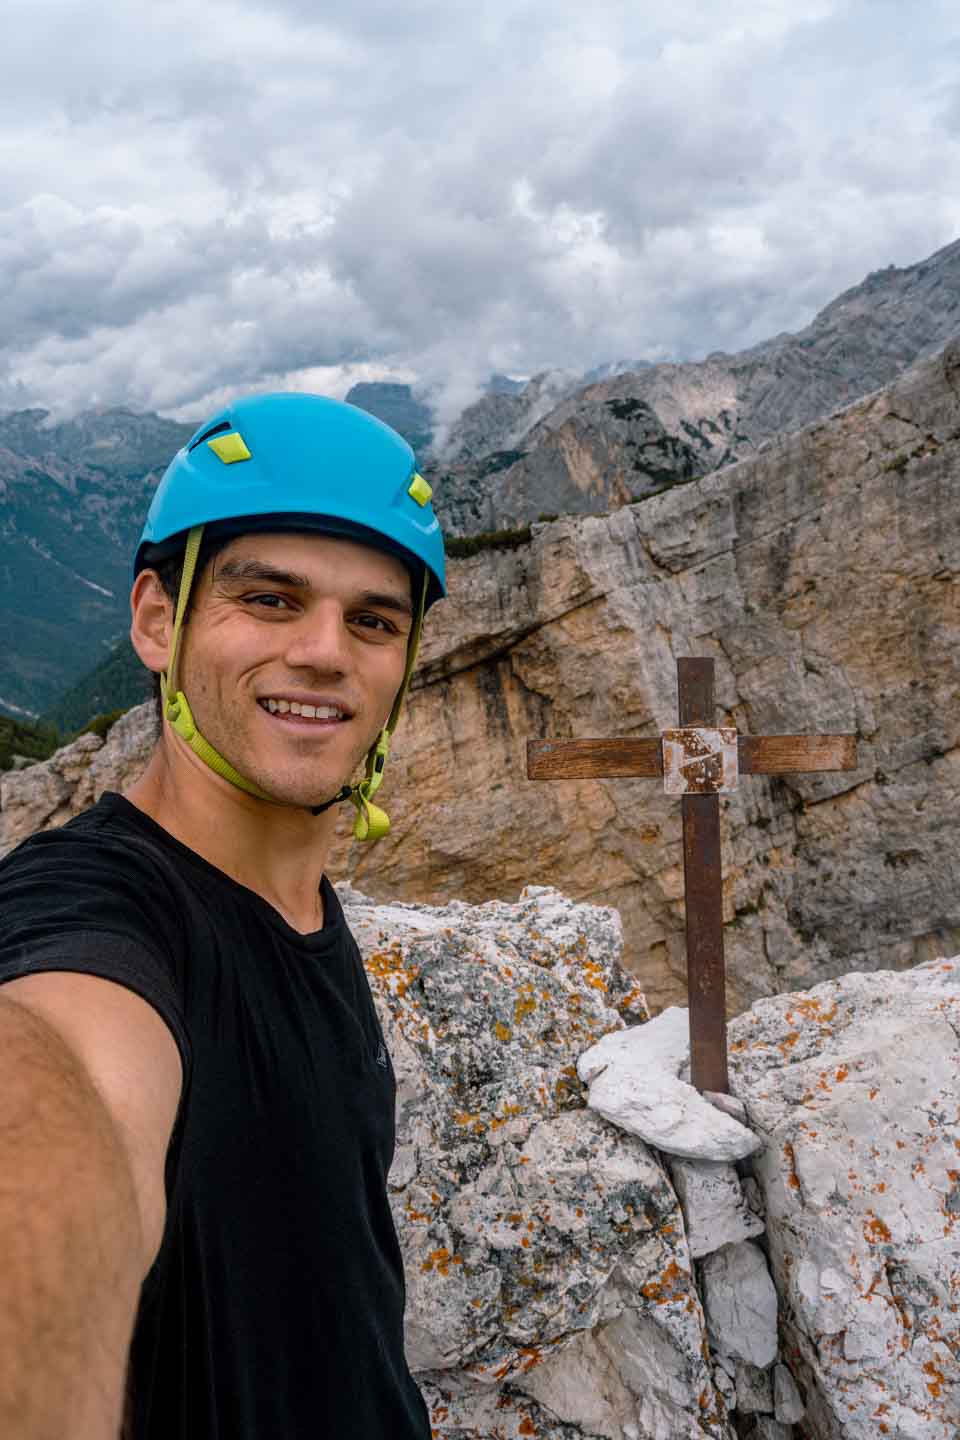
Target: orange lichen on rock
526	1004
392	967
875	1230
789	1154
936	1381
440	1260
593	975
671	1285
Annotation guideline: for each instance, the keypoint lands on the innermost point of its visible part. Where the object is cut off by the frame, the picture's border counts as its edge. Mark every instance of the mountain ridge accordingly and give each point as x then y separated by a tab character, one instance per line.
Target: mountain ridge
73	493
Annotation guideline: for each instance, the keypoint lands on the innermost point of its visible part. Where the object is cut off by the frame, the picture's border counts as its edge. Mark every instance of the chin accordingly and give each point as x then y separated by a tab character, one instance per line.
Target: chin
292	792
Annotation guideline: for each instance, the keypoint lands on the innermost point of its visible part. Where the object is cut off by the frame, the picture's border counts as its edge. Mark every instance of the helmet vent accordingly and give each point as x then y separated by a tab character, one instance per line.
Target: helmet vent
216	430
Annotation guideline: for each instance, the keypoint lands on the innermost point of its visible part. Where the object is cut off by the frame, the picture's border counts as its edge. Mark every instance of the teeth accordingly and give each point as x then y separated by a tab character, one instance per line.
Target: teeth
309	712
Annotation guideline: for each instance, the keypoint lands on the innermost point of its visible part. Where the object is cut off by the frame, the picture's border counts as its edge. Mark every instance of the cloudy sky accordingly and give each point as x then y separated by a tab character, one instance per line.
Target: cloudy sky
198	199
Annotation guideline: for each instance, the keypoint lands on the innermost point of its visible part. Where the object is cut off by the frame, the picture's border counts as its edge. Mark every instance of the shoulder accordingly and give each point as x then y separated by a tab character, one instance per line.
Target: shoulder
110	844
104	872
95	900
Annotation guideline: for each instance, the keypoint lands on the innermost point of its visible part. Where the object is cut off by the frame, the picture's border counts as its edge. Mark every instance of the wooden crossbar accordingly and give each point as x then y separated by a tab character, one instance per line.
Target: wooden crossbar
643	757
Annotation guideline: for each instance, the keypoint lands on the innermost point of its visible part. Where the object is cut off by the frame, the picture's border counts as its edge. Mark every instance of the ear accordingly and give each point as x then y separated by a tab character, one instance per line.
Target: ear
151	623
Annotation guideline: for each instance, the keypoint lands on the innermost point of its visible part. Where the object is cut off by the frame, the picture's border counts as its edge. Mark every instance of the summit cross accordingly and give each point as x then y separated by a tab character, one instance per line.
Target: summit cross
699	762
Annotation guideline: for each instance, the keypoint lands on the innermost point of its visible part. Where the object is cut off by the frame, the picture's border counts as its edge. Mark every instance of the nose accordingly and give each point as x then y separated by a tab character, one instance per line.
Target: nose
319	640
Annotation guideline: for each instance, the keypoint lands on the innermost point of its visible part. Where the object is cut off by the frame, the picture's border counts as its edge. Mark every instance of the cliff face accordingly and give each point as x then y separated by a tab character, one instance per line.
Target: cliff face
822	577
714	412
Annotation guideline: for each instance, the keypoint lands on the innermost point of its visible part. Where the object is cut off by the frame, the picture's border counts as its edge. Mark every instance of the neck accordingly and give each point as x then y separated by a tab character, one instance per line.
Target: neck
278	851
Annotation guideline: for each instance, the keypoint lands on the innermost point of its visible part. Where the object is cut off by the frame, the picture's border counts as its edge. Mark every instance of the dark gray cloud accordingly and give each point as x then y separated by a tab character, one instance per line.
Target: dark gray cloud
197	200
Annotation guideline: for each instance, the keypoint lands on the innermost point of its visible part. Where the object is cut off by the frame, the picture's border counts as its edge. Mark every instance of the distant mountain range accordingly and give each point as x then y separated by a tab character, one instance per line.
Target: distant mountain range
73	495
72	501
507	458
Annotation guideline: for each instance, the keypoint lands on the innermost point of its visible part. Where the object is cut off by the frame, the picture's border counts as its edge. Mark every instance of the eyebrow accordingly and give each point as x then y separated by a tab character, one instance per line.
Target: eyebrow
265	573
260	570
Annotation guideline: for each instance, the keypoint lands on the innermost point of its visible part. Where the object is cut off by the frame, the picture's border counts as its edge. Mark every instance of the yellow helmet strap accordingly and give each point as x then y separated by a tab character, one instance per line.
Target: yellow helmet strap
372	823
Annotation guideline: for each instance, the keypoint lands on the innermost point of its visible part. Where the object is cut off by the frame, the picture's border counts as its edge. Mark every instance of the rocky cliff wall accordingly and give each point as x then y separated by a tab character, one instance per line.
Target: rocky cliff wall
822	577
708	413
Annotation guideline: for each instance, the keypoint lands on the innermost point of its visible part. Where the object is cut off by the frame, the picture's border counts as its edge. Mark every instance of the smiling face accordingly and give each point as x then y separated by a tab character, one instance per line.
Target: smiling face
292	657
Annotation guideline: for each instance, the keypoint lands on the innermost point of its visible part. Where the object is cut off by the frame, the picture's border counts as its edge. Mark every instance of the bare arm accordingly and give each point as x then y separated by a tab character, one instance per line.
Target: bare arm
80	1214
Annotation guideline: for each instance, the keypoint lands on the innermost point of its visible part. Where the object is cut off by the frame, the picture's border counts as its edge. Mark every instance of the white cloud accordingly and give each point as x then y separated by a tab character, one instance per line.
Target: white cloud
195	200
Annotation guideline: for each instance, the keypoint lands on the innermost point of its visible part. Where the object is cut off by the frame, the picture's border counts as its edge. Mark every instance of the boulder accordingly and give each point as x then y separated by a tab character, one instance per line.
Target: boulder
550	1286
51	791
854	1087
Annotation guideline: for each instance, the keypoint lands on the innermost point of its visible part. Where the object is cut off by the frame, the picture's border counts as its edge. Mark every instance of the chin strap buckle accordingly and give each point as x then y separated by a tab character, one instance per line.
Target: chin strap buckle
343	794
372	823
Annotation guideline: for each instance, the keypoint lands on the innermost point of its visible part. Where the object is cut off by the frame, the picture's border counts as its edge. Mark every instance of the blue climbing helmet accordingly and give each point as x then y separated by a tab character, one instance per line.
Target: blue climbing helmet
296	462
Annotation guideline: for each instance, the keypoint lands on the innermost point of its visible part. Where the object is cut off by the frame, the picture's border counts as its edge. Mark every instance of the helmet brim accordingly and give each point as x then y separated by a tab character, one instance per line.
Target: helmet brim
151	554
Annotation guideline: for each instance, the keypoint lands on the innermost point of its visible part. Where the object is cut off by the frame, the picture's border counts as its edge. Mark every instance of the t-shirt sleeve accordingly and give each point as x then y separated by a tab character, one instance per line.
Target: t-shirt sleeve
102	910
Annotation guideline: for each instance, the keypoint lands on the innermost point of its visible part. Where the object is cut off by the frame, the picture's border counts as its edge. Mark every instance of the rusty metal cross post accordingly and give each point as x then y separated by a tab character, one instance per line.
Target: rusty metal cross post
699	762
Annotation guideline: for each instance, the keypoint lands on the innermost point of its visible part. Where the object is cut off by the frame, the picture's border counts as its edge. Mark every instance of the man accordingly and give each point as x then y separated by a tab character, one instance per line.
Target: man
196	1102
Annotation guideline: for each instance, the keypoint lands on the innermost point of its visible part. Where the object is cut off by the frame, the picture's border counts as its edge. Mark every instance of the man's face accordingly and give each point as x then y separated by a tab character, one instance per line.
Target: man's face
283	622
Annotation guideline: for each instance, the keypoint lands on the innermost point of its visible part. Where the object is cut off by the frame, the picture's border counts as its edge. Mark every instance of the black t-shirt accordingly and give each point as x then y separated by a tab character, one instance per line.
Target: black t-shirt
275	1305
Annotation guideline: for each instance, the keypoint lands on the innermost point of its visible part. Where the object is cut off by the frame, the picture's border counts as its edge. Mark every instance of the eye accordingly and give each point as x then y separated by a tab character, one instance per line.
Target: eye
371	621
268	601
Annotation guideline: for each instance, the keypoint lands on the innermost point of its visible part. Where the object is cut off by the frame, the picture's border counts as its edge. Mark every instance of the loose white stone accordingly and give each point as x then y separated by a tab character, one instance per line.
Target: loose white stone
634	1079
714	1207
754	1196
787	1404
754	1391
741	1303
729	1104
725	1386
768	1429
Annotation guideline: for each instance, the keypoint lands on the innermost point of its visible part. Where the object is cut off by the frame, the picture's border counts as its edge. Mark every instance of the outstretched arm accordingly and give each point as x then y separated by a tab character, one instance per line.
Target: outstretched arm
89	1084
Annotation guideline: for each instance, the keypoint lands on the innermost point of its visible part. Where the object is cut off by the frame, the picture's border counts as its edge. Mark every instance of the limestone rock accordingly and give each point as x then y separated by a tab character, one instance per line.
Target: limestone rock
729	1104
769	1429
714	1208
787	1403
634	1079
486	1414
531	455
44	794
754	1390
603	449
855	1087
549	1282
51	791
741	1304
821	576
725	1386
